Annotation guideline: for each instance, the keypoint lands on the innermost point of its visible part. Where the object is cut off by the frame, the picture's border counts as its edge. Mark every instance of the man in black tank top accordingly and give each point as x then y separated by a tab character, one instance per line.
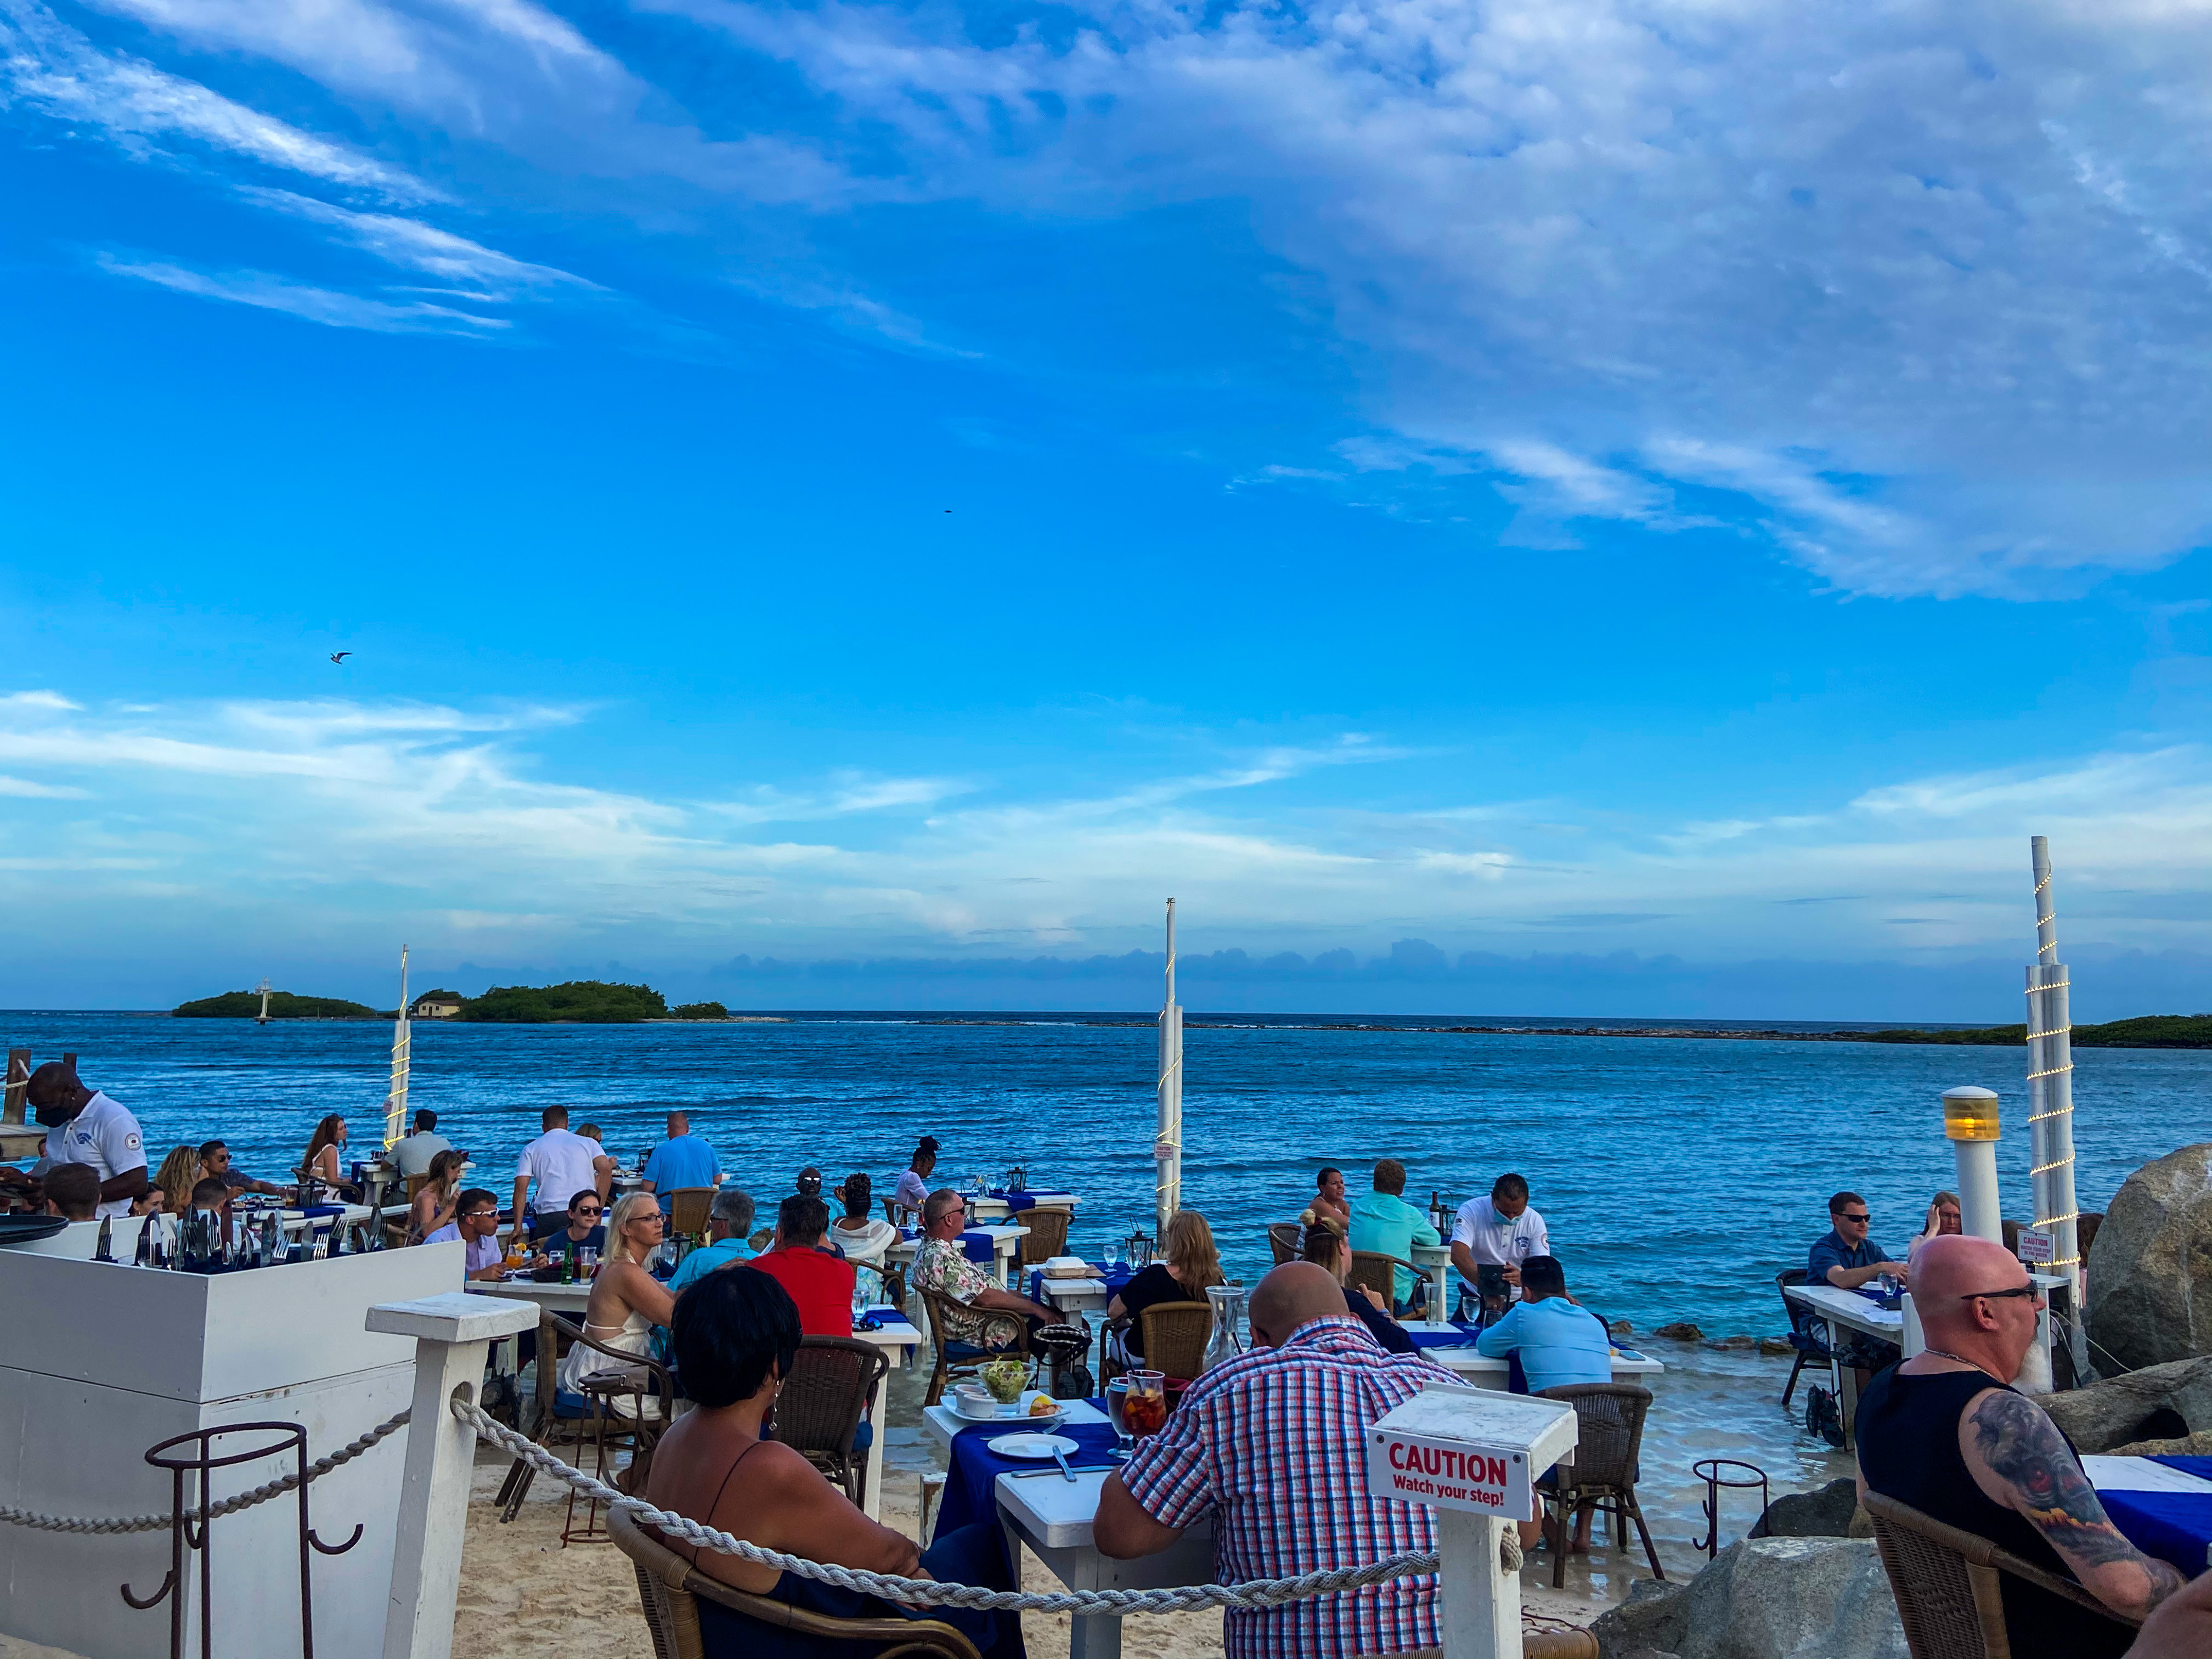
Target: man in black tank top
1946	1433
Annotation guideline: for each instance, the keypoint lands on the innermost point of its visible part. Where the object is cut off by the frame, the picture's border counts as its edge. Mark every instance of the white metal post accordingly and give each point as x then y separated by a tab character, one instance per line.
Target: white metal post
1167	1144
452	1334
403	1046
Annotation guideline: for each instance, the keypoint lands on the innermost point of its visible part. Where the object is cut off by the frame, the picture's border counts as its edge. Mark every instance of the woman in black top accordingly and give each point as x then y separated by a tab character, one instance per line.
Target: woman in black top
1188	1263
1324	1247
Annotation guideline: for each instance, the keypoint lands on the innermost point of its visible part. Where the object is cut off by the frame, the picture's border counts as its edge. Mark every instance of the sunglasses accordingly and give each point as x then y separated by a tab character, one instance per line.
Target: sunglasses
1861	1220
1999	1296
591	1209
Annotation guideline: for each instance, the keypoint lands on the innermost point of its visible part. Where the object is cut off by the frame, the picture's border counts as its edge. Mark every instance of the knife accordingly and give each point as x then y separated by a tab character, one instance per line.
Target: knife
1071	1471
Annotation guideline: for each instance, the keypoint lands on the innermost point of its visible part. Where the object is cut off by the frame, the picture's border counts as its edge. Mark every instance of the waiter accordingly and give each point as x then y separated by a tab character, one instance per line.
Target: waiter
86	1127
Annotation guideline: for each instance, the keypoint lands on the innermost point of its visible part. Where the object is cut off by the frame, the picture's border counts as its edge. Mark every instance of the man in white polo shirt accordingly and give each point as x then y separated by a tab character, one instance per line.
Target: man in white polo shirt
1498	1232
85	1127
562	1164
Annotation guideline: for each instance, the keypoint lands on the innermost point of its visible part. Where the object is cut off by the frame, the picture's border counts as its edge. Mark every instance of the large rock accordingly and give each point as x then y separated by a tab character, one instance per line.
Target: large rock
1655	1617
2150	1269
1794	1598
1823	1512
2144	1405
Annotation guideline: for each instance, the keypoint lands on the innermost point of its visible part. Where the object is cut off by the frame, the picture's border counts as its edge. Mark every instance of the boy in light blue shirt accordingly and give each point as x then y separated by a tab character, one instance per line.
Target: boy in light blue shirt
1559	1341
682	1160
1384	1222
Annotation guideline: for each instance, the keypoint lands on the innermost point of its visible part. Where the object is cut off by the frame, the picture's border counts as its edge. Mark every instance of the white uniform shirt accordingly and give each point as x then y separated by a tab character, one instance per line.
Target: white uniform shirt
561	1163
1490	1238
105	1136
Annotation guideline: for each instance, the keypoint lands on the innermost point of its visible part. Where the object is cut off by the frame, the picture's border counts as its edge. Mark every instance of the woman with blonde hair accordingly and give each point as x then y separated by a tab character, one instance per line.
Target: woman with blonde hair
627	1301
172	1191
434	1205
1325	1247
1188	1263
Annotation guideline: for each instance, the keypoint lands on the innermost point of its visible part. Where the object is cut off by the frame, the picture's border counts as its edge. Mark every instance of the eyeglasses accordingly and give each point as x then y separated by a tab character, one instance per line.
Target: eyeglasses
1999	1296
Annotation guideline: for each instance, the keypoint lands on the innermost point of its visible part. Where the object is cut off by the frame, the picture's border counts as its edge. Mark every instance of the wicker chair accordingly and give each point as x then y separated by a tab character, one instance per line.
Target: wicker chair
831	1386
670	1588
1048	1234
961	1358
1283	1241
1175	1337
1948	1584
1375	1270
1609	1422
687	1209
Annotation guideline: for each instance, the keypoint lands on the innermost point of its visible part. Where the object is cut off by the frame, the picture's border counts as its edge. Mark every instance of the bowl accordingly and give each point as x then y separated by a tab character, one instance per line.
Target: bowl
1005	1378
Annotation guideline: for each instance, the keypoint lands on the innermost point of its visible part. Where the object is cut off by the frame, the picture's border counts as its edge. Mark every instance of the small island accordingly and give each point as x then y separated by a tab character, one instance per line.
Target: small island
283	1005
2147	1032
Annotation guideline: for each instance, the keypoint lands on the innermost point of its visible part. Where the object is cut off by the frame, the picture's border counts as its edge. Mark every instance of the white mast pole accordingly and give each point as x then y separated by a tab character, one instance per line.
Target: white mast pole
1167	1144
2050	1100
403	1043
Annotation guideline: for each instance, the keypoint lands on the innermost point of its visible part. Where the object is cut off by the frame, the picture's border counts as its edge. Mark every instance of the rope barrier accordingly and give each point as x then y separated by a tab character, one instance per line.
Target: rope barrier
244	1500
1256	1593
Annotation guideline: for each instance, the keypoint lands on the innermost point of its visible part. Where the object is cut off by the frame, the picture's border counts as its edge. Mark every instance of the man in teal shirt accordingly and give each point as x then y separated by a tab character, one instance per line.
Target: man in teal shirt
729	1221
1383	1221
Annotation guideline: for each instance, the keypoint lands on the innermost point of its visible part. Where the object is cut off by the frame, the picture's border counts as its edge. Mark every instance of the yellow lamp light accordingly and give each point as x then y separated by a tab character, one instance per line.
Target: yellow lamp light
1970	1114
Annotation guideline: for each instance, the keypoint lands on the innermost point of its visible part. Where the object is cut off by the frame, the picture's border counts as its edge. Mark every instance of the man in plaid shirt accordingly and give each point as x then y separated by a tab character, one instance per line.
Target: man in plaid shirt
1273	1445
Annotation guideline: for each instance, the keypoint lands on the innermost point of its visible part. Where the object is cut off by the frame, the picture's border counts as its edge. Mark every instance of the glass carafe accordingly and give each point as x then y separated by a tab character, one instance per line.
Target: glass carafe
1227	1340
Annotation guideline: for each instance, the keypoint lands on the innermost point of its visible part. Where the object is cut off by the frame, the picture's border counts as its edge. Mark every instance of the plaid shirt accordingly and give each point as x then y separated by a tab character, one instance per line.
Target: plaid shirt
1273	1443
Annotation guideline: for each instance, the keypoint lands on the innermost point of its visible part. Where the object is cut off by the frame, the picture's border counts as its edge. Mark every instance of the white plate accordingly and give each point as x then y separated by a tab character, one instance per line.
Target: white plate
1036	1447
1009	1417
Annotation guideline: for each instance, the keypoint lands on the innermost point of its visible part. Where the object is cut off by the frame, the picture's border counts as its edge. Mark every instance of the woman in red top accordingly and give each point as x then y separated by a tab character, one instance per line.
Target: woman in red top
819	1279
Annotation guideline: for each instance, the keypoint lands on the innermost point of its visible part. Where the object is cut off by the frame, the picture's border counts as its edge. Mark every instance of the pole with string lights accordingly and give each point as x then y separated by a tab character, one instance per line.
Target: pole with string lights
1167	1143
403	1046
2051	1102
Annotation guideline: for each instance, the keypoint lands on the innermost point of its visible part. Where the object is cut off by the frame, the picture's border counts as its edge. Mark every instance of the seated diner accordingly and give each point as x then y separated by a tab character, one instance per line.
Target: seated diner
1188	1264
1846	1257
323	1160
585	1230
73	1192
729	1224
985	1316
1556	1343
1383	1222
627	1301
819	1280
1328	1202
736	1337
474	1224
436	1205
1325	1247
215	1163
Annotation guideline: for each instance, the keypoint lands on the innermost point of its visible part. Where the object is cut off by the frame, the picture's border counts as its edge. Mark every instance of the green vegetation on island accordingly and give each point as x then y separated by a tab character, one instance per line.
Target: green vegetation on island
2149	1031
698	1010
283	1005
589	1001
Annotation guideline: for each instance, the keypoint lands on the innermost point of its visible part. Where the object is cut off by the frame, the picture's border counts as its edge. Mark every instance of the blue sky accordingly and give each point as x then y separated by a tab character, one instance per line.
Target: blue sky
1653	504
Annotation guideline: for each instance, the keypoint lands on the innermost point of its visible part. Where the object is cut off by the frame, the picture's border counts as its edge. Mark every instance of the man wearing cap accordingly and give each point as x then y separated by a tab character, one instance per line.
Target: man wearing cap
912	1189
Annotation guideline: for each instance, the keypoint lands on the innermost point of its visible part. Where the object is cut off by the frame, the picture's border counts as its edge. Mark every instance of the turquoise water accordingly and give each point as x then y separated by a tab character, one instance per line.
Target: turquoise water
1677	1176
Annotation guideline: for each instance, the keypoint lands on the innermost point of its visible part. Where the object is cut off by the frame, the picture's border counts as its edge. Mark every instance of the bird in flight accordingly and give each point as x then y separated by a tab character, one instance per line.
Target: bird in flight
339	657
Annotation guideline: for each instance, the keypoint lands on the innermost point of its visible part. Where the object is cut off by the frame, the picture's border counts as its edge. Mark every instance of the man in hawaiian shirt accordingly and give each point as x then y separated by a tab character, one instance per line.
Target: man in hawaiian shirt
988	1317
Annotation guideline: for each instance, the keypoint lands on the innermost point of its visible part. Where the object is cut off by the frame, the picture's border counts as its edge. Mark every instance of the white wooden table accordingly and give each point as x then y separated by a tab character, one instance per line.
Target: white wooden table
1483	1373
1077	1295
987	1208
1052	1518
1841	1310
1005	1245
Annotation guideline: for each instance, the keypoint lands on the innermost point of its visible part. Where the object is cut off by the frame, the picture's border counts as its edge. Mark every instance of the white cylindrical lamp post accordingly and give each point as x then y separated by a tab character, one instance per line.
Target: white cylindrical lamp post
1970	1124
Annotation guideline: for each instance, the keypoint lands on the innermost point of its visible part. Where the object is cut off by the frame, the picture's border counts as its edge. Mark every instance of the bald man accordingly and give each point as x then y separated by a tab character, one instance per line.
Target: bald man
1946	1433
1272	1444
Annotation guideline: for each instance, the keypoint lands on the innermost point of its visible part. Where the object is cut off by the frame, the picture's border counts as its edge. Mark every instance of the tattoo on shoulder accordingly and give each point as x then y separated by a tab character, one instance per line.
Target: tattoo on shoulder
2023	1448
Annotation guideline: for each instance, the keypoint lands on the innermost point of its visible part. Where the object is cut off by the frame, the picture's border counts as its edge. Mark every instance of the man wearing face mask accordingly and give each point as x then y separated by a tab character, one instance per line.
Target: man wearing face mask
86	1127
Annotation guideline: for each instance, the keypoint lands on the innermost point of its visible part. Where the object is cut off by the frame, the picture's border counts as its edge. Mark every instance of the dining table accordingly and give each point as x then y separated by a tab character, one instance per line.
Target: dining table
1844	1310
1451	1344
1038	1506
2162	1506
1000	1203
995	1244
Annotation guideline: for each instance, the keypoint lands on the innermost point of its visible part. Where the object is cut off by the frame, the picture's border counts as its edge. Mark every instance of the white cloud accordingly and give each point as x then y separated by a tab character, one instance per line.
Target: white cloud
329	306
54	68
412	245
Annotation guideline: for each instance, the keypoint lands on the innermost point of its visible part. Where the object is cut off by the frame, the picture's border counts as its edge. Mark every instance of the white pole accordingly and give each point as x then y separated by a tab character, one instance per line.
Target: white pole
402	1045
452	1332
1481	1610
1167	1144
2051	1099
1970	1123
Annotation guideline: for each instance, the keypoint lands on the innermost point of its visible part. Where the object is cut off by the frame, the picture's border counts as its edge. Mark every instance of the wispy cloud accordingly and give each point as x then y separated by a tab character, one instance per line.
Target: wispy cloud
411	244
331	308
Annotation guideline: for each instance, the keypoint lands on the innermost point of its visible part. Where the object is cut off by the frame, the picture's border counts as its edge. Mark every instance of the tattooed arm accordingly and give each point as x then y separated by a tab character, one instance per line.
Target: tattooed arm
2018	1457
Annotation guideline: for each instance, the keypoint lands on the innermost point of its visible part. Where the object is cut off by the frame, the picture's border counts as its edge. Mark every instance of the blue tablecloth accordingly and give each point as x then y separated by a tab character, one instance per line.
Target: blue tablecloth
1460	1336
2173	1526
1016	1201
978	1245
973	1467
1115	1278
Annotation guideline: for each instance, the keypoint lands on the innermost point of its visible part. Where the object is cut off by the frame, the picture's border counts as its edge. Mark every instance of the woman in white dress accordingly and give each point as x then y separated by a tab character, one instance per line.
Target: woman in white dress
627	1301
862	1238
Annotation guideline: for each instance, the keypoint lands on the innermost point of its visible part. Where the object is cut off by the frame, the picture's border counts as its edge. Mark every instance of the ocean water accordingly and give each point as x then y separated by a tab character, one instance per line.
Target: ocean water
1677	1177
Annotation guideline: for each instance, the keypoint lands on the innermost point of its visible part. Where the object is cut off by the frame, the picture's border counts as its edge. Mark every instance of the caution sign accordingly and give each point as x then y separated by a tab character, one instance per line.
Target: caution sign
1468	1449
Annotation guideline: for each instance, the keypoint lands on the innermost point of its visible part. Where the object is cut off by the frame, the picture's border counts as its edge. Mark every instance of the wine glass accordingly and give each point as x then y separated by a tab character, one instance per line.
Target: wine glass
1112	1256
1117	1396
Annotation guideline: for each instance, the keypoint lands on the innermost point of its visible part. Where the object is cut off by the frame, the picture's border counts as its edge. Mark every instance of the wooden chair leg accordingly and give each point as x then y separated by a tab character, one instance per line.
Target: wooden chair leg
1562	1539
1791	1386
1635	1514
